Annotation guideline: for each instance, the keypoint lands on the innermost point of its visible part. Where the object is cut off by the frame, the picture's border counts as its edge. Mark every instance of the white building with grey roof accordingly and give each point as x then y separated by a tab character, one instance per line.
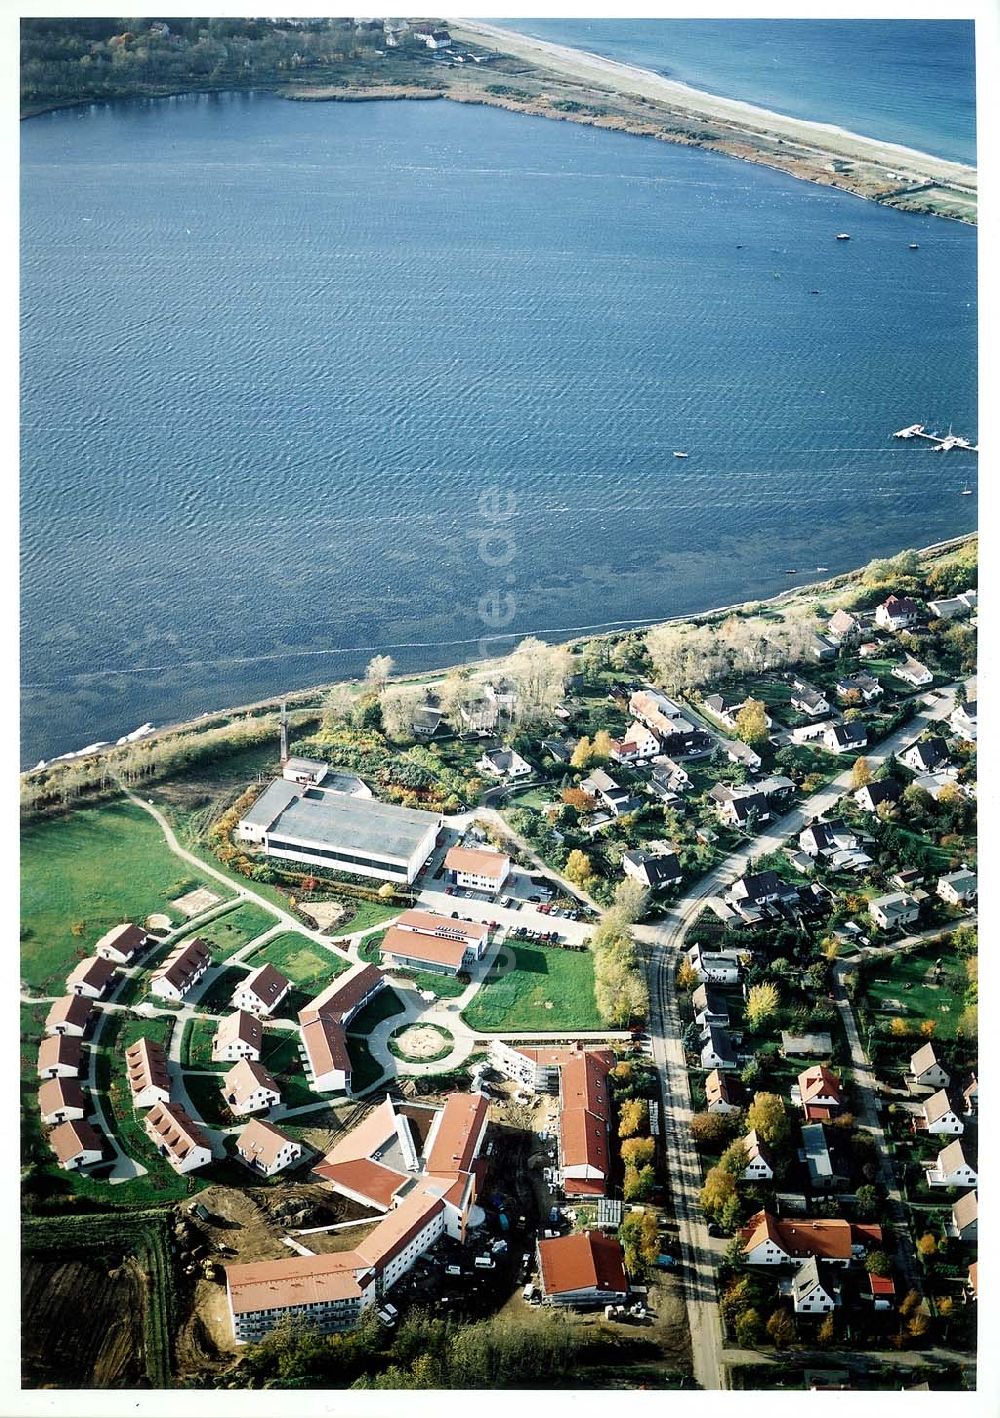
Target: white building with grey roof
344	832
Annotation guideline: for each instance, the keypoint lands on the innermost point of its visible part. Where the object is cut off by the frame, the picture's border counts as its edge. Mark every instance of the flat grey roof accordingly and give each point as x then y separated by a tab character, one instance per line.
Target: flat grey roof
274	799
354	824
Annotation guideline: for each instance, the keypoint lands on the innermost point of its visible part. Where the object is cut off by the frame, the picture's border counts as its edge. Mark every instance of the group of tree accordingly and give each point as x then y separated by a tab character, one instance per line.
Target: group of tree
640	1240
620	987
687	657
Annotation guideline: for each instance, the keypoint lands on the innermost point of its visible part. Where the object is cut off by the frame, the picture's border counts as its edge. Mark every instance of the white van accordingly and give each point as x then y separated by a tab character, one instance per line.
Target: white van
483	1262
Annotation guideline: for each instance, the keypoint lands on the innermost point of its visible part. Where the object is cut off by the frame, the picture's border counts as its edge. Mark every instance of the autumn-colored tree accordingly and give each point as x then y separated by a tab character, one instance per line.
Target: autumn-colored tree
639	1183
766	1117
638	1151
623	1071
719	1188
751	723
710	1128
878	1263
378	671
762	1004
736	1297
633	1117
579	869
687	976
640	1239
749	1328
827	1332
387	891
861	774
781	1329
77	929
577	798
735	1158
601	751
899	1027
582	754
918	1326
912	1301
928	1027
927	1245
946	1307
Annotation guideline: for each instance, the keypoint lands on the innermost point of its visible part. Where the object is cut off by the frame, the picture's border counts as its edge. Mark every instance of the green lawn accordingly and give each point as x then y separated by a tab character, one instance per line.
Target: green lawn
364	1069
370	948
280	1056
443	986
518	999
903	978
229	932
217	998
306	964
206	1094
364	915
196	1046
385	1004
90	870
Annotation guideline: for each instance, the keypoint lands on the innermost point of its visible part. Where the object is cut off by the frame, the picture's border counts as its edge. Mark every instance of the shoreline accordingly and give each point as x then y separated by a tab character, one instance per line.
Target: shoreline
301	697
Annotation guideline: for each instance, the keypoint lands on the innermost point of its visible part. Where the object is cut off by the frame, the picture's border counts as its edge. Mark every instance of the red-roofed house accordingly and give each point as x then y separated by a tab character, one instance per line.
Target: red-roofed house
76	1145
818	1092
61	1100
424	940
583	1270
69	1015
91	977
264	1148
262	991
239	1036
897	613
323	1027
249	1088
477	868
122	943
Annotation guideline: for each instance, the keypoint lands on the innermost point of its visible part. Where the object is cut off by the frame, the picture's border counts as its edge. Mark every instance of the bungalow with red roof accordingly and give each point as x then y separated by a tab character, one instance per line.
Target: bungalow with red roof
323	1027
239	1036
770	1241
61	1100
266	1149
424	940
59	1057
582	1270
818	1093
76	1145
69	1015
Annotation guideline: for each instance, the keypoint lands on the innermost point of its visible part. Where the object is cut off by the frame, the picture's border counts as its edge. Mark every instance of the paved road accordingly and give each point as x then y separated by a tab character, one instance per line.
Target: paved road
664	941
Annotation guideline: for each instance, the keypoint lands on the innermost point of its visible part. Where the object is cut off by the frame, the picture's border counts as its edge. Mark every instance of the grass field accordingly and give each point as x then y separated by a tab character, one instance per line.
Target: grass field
548	989
364	915
370	948
443	986
385	1005
82	874
217	998
904	979
307	965
205	1091
196	1046
229	932
280	1056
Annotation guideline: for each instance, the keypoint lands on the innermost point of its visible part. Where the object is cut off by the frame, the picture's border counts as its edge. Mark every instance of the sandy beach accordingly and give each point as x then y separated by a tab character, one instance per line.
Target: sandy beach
896	162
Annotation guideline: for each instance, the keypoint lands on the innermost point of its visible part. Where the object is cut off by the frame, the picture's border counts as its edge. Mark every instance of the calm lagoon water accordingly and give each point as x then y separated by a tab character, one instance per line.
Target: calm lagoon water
274	352
905	81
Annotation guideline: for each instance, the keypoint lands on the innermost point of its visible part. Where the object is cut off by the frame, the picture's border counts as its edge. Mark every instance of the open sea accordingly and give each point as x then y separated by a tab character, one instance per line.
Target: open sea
274	354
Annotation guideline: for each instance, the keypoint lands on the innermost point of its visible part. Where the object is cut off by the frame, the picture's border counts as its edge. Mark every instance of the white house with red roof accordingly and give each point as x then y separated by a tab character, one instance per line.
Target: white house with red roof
818	1093
262	991
897	613
323	1027
423	940
582	1270
266	1149
477	868
122	943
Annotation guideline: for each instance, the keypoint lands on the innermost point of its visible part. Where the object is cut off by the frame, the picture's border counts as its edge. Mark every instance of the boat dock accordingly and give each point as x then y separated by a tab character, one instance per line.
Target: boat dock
942	443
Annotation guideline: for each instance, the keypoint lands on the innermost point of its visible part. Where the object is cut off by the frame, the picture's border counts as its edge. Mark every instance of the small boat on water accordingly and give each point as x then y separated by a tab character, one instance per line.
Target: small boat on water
966	492
680	455
914	246
822	568
843	236
791	571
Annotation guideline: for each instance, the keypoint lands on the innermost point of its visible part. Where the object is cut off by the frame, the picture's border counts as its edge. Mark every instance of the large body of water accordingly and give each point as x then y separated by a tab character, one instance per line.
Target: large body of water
273	354
904	81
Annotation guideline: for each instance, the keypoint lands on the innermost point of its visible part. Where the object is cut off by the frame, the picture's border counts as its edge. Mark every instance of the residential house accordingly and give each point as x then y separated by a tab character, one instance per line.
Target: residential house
953	607
248	1088
727	709
751	893
882	791
239	1036
723	1093
423	940
709	1007
502	693
816	1045
822	648
261	991
668	779
811	1292
425	721
183	968
61	1100
657	871
958	888
845	738
177	1137
818	1093
504	763
880	1291
60	1057
616	799
934	784
897	909
951	1168
940	1117
809	733
926	756
657	712
69	1015
582	1271
965	1217
972	1284
808	700
970	1094
738	752
843	627
825	838
770	1241
480	715
477	868
323	1027
820	1159
91	977
76	1145
870	650
913	673
558	749
716	967
638	744
146	1068
760	1163
746	811
926	1069
122	943
964	720
897	613
719	1050
265	1149
864	685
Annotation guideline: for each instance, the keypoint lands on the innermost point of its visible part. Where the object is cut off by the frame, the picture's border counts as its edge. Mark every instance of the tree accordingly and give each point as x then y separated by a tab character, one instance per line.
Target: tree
827	1332
710	1128
762	1004
582	754
751	723
638	1151
579	869
866	1200
634	1116
338	707
735	1253
719	1188
639	1183
601	751
918	1326
766	1117
687	975
878	1263
578	799
927	1245
749	1328
899	1027
861	774
539	673
735	1158
781	1329
928	1027
378	671
911	1303
398	703
640	1240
